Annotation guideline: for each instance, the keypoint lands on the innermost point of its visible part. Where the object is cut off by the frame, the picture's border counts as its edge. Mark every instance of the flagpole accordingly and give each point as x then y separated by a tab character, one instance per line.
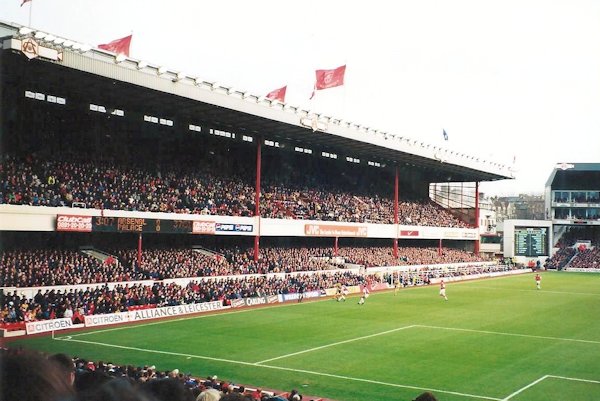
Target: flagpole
312	96
344	101
30	8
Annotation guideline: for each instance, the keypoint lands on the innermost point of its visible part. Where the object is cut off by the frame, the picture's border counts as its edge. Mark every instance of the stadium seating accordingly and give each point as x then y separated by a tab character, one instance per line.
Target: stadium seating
102	299
34	268
586	259
103	185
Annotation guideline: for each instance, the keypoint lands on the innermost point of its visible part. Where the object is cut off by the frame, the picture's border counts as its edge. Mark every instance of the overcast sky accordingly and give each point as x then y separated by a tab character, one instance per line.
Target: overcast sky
505	79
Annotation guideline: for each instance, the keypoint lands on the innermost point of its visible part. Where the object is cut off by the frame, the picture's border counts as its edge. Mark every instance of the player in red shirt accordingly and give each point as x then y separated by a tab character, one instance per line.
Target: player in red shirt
443	290
538	281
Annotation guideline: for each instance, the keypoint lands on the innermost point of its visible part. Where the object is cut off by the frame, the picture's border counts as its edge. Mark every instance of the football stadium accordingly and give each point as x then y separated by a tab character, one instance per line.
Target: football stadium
163	237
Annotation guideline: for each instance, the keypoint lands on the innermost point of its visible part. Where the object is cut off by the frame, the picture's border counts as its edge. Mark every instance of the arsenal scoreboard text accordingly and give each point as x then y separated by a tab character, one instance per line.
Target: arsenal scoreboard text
78	223
140	225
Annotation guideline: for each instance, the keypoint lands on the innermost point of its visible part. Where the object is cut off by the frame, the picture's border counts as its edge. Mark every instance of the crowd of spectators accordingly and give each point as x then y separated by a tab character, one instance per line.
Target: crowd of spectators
43	267
30	375
101	299
177	189
573	234
560	258
383	256
103	185
581	256
34	268
587	259
423	275
174	263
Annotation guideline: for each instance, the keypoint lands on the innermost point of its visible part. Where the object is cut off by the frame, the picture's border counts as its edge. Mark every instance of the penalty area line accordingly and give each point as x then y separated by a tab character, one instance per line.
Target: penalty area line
575	379
335	343
256	365
500	333
519	391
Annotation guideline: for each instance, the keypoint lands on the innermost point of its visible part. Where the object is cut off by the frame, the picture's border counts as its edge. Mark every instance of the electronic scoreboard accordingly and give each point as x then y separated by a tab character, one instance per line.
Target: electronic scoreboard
531	241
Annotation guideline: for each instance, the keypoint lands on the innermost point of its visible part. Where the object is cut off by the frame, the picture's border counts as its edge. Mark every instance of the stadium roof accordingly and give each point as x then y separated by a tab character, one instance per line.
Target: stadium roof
129	84
573	176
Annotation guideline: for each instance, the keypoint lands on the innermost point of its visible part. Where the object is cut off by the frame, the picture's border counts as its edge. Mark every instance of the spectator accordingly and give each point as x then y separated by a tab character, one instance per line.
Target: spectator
169	389
236	396
65	365
209	394
29	376
294	396
426	396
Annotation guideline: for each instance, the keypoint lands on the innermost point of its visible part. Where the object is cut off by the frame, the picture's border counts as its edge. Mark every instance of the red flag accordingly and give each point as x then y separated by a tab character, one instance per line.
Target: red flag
329	78
119	46
277	94
25	1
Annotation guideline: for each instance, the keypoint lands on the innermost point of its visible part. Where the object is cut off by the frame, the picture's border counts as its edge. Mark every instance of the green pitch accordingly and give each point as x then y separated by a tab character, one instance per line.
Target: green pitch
495	339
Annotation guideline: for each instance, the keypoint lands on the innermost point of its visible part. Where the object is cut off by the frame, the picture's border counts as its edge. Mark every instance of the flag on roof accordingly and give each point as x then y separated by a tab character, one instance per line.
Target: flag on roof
277	94
329	78
119	46
445	135
25	1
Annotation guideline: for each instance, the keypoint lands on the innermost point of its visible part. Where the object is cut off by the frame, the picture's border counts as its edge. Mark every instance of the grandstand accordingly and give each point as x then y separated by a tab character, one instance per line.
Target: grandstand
131	192
573	204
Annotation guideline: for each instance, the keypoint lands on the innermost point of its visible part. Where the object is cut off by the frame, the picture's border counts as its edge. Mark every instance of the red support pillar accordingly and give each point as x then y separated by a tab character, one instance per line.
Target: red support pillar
335	246
257	200
465	215
477	218
139	252
396	217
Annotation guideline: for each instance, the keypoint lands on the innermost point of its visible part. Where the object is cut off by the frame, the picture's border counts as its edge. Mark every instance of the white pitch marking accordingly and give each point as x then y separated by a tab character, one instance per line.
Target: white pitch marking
161	322
534	290
510	334
160	352
334	344
548	377
519	391
482	397
133	326
574	379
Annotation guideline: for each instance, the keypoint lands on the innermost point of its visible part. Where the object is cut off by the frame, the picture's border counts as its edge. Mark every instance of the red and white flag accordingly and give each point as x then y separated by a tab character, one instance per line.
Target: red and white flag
25	1
119	46
278	94
329	78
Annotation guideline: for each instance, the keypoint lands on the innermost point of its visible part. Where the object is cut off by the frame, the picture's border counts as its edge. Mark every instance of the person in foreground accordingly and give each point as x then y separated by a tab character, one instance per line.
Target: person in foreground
426	396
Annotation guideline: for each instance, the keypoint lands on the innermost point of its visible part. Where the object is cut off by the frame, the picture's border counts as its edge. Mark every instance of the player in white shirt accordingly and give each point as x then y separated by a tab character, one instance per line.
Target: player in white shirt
345	292
364	297
342	291
443	290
